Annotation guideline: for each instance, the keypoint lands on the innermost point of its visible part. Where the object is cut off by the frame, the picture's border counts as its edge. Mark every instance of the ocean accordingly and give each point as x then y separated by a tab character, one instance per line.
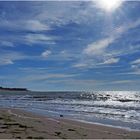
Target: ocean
112	108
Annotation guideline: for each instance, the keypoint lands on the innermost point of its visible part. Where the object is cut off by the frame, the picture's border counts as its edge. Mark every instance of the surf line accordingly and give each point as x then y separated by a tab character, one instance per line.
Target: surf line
25	117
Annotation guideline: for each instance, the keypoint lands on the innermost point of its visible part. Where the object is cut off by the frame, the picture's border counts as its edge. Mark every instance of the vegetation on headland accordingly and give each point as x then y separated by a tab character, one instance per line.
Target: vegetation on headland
13	89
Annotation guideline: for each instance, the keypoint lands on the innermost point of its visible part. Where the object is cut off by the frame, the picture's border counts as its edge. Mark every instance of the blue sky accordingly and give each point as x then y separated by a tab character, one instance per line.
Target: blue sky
69	45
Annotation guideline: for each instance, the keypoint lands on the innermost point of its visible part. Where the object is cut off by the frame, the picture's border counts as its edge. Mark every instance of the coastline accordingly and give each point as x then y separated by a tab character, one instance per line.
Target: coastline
21	124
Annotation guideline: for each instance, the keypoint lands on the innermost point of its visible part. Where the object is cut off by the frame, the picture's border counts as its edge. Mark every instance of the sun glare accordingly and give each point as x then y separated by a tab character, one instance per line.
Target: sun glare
109	5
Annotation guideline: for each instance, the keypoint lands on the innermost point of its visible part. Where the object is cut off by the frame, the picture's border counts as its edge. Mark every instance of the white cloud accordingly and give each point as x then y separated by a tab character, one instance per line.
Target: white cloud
64	12
80	65
26	25
121	82
136	61
130	25
46	53
63	56
135	66
8	57
7	44
111	61
95	64
35	25
6	61
136	72
38	38
46	76
97	48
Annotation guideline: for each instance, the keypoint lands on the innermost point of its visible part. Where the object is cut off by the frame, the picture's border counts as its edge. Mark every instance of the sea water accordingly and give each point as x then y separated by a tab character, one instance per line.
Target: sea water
114	108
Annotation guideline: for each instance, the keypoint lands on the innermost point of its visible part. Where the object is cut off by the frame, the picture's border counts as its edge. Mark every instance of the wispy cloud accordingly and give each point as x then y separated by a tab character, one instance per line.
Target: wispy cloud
30	31
135	66
111	61
38	38
137	61
60	55
6	61
9	57
80	65
99	47
121	82
97	53
36	25
6	44
24	25
47	76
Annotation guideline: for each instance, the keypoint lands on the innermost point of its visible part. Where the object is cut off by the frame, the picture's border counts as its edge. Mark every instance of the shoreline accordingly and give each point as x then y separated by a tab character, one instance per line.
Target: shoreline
87	122
106	125
17	123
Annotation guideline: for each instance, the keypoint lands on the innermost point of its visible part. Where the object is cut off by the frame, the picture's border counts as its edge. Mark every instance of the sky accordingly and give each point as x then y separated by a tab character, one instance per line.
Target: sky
70	45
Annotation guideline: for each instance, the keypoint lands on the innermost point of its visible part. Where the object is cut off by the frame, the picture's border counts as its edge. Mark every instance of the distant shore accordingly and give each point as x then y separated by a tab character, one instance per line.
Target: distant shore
20	124
12	89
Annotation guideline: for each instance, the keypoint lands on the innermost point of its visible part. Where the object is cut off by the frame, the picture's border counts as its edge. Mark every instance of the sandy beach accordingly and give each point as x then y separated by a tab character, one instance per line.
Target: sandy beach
20	124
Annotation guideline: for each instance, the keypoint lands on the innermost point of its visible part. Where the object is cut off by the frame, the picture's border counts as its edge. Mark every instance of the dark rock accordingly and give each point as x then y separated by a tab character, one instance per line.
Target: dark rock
57	133
61	116
71	129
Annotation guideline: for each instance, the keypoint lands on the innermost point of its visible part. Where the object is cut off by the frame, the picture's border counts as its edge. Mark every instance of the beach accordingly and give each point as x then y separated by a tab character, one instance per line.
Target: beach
21	124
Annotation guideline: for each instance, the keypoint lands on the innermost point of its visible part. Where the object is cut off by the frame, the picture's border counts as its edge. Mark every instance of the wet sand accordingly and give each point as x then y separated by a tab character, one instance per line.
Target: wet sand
20	124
